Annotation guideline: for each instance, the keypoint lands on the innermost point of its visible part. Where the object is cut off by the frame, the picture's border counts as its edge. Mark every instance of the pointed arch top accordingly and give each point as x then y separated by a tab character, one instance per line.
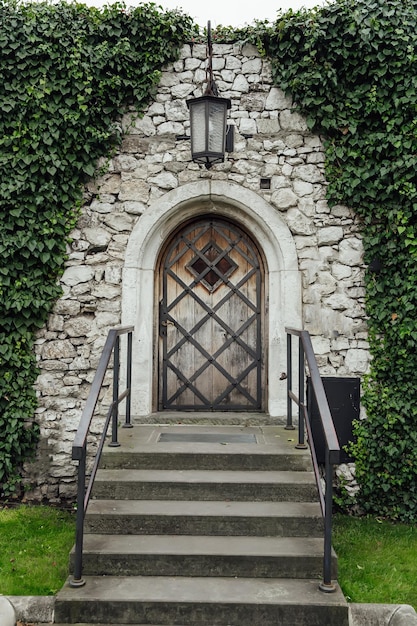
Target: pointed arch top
218	197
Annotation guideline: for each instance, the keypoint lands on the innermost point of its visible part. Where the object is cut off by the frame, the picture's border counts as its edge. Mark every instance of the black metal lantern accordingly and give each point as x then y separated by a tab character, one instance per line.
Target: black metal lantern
208	119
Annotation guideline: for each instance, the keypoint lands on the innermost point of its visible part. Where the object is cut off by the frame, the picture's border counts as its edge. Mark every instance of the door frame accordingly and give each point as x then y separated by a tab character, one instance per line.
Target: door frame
263	298
258	218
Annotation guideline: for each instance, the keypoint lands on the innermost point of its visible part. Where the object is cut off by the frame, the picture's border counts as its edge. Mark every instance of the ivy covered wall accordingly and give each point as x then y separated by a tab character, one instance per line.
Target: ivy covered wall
352	69
68	72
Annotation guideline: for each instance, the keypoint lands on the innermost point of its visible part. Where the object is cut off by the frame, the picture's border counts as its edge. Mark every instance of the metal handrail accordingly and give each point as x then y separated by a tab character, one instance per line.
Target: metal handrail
79	448
331	442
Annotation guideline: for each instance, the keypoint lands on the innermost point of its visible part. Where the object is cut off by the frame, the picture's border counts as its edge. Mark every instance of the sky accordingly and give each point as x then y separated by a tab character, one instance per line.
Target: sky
236	12
227	12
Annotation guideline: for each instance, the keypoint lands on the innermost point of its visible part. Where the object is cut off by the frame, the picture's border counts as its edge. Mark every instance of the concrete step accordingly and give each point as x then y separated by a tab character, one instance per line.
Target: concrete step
142	448
202	601
178	517
254	486
150	555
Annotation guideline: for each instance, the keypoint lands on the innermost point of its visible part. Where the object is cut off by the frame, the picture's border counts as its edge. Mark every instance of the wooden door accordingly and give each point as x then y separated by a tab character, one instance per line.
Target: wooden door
210	320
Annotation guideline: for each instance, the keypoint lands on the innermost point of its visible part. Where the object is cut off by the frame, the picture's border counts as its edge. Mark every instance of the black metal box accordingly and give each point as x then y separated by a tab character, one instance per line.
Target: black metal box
343	396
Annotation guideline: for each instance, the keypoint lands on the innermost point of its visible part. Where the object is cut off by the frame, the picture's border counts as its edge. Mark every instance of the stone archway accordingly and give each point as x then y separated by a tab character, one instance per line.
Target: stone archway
145	243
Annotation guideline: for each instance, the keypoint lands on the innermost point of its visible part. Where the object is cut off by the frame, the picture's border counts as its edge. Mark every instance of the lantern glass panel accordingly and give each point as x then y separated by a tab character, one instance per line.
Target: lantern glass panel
198	127
217	127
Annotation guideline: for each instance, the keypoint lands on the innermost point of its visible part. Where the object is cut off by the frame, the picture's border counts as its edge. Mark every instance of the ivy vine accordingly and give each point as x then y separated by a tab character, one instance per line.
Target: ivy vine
67	73
351	67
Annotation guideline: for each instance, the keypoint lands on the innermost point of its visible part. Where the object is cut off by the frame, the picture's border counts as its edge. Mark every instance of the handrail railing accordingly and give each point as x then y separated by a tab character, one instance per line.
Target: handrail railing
79	448
331	442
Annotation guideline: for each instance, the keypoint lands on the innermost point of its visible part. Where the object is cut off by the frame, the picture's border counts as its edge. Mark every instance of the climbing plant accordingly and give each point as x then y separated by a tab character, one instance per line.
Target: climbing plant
351	68
67	73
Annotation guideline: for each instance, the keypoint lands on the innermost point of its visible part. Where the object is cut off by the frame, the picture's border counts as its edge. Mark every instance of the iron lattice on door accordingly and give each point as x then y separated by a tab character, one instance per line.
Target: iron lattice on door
210	320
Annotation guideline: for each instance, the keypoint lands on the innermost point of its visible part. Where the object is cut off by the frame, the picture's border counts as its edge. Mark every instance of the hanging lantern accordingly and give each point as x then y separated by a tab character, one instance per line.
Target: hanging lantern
208	119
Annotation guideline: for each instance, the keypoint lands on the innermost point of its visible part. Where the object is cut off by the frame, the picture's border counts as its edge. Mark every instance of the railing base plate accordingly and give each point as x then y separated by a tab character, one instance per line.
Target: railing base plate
327	587
80	582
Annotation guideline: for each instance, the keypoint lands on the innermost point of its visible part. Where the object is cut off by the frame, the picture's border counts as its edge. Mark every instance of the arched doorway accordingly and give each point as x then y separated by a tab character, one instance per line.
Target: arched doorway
211	319
282	279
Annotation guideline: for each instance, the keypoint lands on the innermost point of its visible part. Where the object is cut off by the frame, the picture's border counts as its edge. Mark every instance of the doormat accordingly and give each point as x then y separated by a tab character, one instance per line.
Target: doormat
206	438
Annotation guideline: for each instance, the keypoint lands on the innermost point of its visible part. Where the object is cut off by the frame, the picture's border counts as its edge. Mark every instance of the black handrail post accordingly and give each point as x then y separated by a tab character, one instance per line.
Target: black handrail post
77	579
128	423
115	410
289	425
327	585
301	445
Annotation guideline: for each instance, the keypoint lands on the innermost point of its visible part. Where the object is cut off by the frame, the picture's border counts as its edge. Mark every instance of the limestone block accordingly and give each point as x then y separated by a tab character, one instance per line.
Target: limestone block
253	101
137	190
357	360
49	384
279	182
341	211
191	64
284	198
326	283
106	291
294	141
247	126
321	345
101	207
330	235
341	271
134	208
351	251
78	326
277	100
113	274
59	349
177	111
169	79
182	91
233	63
339	302
119	221
302	188
77	274
171	128
293	121
228	76
309	173
106	320
125	163
249	50
109	184
53	365
240	84
253	66
97	237
165	180
268	127
56	322
298	223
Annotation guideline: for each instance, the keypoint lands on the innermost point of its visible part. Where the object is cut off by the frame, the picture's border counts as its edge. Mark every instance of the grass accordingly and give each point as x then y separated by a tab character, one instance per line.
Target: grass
377	560
35	543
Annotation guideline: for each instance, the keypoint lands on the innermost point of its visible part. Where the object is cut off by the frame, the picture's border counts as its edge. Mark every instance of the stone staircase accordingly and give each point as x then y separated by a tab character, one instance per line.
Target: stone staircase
203	526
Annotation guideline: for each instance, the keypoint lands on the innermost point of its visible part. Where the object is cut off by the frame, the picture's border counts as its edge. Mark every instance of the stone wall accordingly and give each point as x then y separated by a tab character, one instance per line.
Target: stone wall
272	143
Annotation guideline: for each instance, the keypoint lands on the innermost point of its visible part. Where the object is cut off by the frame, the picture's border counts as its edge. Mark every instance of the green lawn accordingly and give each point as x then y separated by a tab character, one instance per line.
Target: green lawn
377	560
35	543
